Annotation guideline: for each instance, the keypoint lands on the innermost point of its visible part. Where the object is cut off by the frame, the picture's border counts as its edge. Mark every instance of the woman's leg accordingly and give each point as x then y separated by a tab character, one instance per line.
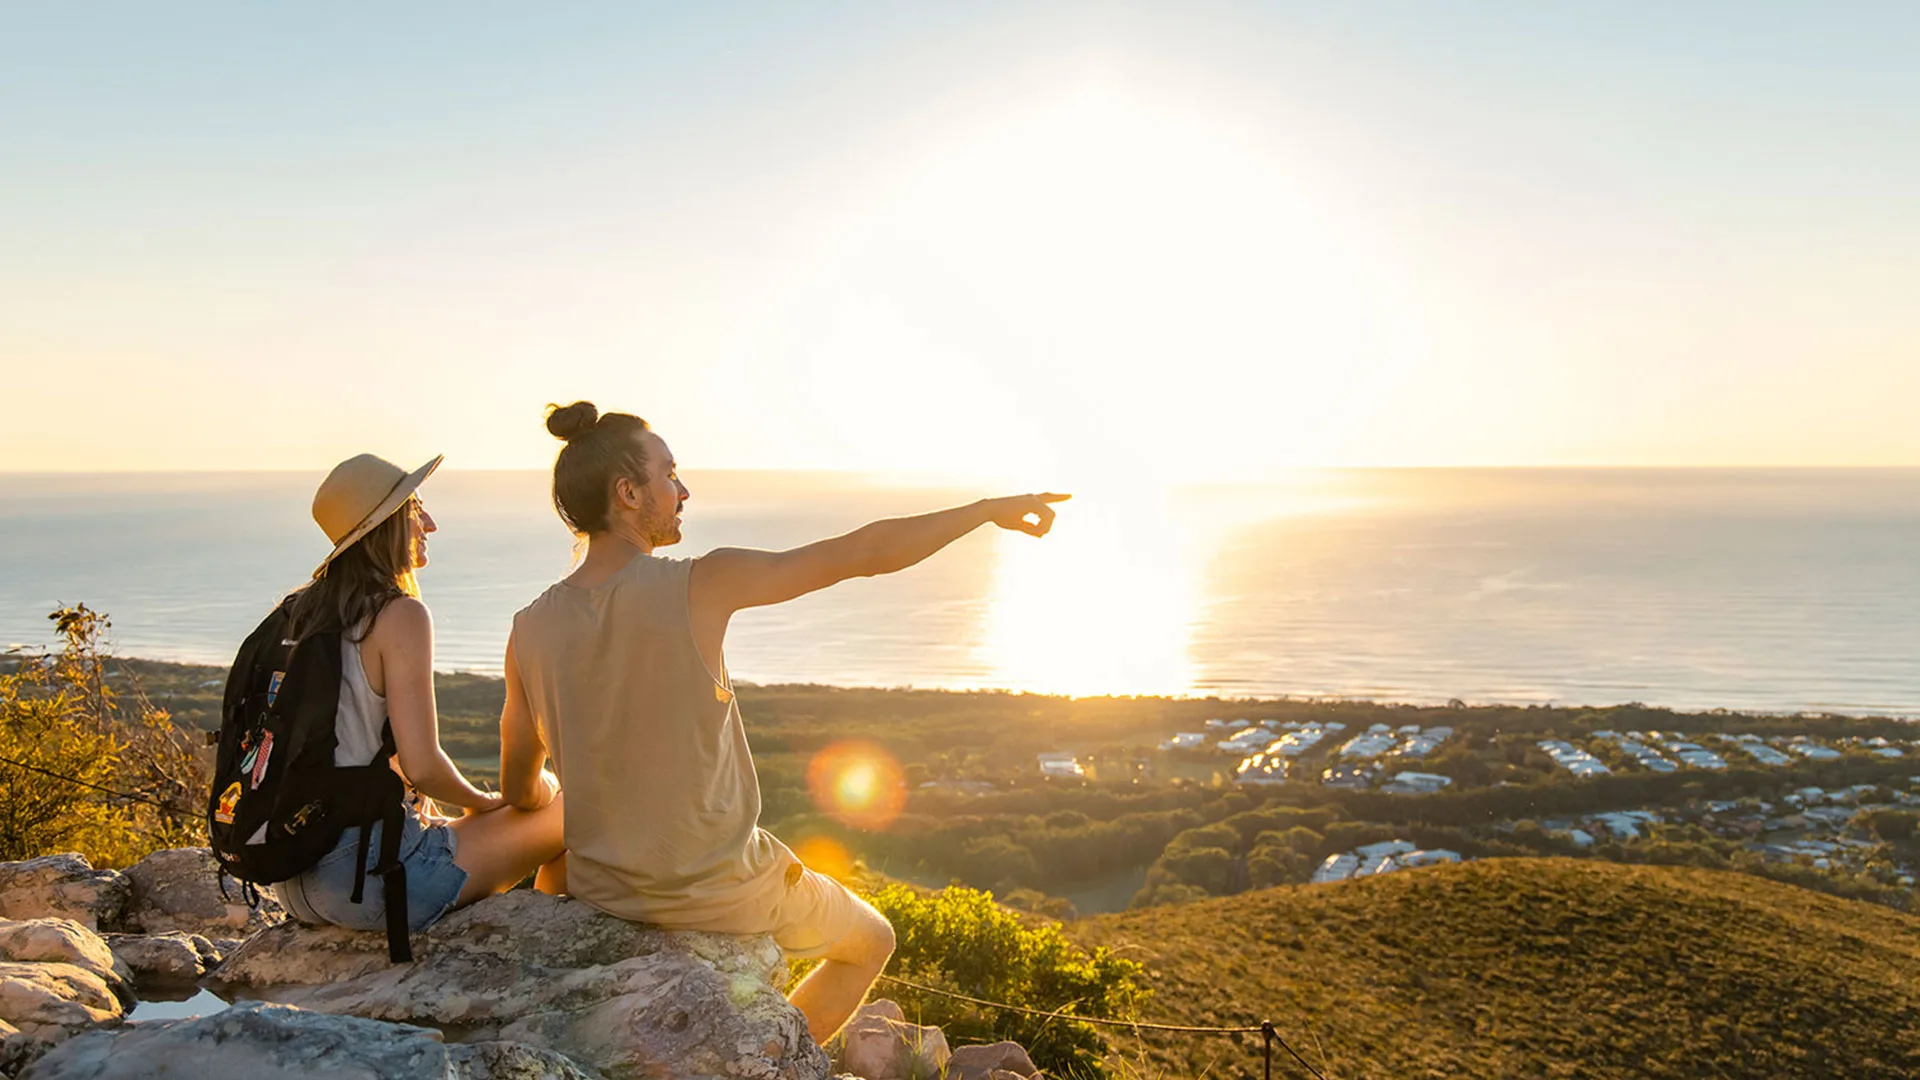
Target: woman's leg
500	847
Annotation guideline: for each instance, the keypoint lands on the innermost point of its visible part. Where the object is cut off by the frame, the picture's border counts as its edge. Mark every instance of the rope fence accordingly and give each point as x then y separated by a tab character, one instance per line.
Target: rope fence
1270	1037
130	797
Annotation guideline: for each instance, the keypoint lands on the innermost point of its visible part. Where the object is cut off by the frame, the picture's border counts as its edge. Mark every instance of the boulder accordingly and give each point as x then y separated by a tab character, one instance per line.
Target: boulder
63	941
63	887
626	999
513	1061
879	1044
990	1061
258	1041
173	959
53	1001
179	889
248	1042
17	1049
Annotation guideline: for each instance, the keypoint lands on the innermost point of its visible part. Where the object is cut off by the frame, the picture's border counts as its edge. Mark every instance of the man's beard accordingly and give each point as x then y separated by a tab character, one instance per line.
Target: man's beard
660	528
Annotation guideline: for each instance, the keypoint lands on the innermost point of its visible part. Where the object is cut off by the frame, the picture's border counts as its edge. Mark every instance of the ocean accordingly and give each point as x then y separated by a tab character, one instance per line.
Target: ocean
1770	590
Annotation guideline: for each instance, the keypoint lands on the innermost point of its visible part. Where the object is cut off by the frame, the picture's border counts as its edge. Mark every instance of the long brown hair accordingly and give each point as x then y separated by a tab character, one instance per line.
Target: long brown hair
352	590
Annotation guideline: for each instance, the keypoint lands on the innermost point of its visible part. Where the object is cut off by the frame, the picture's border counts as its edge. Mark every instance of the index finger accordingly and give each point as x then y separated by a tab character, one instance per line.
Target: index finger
1052	496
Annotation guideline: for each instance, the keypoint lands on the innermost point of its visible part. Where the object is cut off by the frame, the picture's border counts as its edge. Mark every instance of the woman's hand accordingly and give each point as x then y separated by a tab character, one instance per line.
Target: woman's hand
494	801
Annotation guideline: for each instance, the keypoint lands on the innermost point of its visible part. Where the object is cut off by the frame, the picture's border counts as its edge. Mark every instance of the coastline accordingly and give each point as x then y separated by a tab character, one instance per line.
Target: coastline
472	695
473	683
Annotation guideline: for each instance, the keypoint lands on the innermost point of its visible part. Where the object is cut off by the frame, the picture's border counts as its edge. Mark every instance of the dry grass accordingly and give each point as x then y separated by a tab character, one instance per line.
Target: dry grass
1531	968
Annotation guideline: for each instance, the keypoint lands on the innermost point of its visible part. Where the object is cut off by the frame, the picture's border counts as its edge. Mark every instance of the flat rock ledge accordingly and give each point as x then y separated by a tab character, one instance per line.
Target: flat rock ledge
623	999
259	1041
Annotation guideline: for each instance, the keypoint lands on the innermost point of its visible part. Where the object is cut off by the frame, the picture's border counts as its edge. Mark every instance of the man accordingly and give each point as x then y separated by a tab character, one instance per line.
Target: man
619	672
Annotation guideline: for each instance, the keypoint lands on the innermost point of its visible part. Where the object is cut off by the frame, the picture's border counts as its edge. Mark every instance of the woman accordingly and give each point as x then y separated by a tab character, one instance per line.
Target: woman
365	591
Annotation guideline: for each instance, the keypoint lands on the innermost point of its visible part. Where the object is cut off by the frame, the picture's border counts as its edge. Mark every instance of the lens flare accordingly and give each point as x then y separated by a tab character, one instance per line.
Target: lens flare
857	783
824	855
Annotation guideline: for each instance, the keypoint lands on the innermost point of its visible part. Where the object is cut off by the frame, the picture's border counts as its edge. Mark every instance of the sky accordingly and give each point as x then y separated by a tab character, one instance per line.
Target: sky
1040	242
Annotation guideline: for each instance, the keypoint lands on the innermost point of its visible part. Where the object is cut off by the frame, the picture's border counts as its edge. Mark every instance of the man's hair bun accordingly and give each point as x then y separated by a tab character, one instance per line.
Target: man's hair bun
569	421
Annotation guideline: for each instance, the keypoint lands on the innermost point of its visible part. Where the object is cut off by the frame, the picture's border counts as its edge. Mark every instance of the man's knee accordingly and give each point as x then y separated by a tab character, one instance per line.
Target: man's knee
869	942
883	939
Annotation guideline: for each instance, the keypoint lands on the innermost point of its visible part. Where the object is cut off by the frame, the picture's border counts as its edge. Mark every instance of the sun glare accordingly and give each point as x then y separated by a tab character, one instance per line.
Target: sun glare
1103	605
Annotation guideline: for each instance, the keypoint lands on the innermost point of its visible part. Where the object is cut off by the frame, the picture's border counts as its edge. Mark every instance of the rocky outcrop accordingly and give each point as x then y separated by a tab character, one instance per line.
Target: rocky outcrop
52	1001
63	941
175	890
273	1042
521	986
17	1050
63	887
990	1061
513	1061
174	959
179	890
879	1044
625	999
56	978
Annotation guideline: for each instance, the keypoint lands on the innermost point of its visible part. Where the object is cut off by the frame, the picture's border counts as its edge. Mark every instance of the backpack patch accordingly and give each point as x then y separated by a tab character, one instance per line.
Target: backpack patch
229	802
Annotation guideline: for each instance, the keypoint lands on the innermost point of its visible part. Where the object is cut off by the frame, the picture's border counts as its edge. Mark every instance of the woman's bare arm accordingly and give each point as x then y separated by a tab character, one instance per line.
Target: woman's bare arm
402	637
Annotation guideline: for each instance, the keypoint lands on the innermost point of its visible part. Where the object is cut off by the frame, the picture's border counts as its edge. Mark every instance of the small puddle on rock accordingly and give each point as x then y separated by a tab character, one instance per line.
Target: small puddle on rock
194	1002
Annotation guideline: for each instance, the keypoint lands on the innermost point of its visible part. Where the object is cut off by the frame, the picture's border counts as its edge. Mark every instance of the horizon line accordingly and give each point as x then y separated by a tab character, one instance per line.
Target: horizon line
944	475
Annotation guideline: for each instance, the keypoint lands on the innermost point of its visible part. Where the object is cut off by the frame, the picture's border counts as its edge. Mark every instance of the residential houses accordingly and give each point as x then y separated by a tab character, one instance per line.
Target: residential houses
1382	858
1061	765
1415	783
1267	768
1407	741
1572	758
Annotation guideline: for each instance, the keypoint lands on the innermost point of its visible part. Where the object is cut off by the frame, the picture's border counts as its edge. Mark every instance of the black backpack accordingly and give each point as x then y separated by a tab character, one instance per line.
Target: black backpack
278	801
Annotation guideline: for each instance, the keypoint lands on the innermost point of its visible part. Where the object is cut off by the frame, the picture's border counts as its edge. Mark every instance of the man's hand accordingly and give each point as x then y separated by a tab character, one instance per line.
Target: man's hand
1013	511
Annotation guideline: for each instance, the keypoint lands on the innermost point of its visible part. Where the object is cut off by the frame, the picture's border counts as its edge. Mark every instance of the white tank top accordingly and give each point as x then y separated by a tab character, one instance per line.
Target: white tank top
362	714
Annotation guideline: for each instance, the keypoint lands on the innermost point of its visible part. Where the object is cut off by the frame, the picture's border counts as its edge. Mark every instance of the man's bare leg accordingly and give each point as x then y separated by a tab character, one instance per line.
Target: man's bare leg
831	992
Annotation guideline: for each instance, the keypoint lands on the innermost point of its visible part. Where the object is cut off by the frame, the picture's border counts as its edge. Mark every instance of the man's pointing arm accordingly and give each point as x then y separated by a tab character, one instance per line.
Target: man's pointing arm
729	579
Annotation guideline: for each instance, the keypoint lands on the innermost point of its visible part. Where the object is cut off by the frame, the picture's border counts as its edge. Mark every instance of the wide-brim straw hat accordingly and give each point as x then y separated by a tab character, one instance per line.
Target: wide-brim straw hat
359	494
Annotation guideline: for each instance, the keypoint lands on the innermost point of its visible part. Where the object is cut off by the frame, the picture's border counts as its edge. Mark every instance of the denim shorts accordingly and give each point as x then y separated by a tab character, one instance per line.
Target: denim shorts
323	894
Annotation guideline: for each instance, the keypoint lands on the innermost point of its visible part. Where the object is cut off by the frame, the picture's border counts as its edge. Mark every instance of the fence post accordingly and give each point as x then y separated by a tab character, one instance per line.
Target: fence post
1266	1037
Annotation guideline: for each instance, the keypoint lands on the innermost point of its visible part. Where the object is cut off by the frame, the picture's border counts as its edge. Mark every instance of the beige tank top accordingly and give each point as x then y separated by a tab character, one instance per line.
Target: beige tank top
663	806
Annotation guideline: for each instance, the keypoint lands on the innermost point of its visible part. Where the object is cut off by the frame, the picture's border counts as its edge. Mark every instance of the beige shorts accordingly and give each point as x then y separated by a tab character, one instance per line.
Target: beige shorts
815	913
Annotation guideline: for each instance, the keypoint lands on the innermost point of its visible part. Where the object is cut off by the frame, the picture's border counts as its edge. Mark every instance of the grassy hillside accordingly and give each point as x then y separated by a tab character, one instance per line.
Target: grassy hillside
1532	968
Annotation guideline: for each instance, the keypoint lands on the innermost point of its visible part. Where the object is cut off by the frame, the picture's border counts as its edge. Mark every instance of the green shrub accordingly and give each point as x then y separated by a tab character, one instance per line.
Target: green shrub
959	940
69	741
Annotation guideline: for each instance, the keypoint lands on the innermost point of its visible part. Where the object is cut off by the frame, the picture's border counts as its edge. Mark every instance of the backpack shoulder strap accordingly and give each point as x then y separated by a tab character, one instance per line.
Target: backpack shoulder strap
266	638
